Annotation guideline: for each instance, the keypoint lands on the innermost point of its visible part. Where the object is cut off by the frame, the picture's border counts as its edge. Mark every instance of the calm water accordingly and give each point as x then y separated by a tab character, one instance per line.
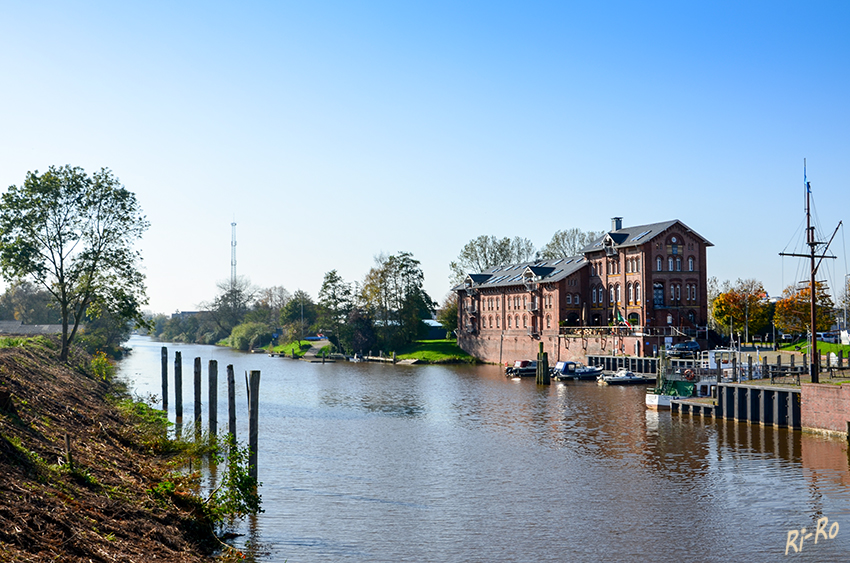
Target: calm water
364	462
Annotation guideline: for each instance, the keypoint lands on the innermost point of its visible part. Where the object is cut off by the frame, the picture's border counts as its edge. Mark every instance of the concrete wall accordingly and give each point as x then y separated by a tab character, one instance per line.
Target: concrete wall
825	407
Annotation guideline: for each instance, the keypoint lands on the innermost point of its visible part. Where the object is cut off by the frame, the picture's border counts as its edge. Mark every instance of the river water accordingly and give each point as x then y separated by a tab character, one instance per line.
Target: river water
381	463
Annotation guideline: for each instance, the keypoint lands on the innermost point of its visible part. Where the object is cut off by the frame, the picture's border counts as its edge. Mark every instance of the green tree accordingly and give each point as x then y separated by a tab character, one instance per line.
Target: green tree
229	307
568	243
336	298
26	302
73	234
487	251
299	314
448	313
393	293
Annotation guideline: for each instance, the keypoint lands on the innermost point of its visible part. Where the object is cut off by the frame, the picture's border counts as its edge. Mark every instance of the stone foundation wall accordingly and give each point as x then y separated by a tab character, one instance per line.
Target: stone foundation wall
505	349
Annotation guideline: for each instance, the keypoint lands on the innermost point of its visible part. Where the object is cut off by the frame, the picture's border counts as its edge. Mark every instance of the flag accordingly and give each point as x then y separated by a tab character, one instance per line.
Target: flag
620	318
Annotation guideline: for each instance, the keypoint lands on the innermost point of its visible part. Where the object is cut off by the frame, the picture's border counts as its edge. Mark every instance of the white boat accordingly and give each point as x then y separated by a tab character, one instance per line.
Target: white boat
659	398
522	368
575	370
623	377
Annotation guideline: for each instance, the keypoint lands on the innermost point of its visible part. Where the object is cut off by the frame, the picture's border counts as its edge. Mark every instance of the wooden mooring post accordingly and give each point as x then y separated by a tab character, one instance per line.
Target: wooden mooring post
542	367
253	420
178	388
197	397
231	401
165	379
69	459
212	390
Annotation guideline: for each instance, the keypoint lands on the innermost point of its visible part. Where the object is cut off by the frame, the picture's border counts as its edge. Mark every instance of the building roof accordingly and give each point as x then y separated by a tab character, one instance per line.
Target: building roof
637	235
540	271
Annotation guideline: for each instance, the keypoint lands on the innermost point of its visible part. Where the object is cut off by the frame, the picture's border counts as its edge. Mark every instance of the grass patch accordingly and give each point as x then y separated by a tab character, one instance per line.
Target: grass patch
299	346
823	347
435	352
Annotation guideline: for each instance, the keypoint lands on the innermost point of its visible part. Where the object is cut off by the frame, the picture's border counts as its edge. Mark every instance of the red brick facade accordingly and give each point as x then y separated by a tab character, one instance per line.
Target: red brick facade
651	276
825	407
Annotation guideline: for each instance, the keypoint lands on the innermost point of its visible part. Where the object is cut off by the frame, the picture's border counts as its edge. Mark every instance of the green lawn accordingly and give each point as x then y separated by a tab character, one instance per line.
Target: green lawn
435	352
300	346
824	347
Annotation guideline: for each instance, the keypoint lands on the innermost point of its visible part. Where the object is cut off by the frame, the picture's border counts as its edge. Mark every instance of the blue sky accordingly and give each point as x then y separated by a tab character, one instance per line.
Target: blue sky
333	131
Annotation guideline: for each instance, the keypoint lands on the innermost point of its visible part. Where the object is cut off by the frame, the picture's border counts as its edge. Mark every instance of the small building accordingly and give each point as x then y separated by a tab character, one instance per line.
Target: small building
632	291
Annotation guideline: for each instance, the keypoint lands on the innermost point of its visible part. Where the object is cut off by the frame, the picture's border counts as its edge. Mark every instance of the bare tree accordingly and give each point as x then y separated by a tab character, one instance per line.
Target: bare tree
487	251
568	242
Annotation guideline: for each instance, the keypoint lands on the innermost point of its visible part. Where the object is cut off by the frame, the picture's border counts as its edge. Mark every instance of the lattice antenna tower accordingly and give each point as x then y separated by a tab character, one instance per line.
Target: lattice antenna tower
233	256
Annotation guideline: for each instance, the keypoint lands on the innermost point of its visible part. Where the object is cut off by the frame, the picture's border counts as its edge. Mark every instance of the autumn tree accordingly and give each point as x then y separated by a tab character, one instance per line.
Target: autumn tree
793	311
568	243
742	307
229	307
72	235
448	313
487	251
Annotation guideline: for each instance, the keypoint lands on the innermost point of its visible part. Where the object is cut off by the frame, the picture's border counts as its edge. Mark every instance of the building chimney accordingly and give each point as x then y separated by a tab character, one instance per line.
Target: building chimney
616	223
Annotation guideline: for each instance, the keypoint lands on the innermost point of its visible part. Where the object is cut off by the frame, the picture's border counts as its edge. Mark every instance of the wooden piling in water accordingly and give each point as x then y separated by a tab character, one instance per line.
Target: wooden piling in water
542	367
749	367
165	379
212	390
178	387
253	420
231	401
197	397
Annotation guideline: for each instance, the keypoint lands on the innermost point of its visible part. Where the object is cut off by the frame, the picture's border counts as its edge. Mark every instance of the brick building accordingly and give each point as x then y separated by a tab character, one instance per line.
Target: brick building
632	291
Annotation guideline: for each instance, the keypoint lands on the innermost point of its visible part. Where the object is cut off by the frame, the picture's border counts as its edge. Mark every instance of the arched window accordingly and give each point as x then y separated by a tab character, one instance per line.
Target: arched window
637	264
509	321
672	291
610	294
569	299
678	291
690	263
524	321
631	293
517	321
548	321
497	322
678	264
575	299
593	295
491	322
637	293
658	263
617	292
669	263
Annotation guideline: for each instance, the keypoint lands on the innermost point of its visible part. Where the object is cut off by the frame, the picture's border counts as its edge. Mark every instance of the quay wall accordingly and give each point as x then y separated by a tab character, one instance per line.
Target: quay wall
825	408
506	348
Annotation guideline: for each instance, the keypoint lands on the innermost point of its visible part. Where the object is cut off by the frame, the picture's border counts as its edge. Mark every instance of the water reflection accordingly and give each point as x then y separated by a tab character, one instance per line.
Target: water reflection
366	462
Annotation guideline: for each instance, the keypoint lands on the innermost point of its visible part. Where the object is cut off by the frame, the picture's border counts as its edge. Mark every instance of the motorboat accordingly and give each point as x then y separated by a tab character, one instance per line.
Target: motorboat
623	377
575	370
522	368
659	398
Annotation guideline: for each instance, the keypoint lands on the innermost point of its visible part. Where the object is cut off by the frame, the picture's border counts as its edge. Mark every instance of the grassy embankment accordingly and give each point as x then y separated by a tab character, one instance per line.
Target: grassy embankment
121	496
436	352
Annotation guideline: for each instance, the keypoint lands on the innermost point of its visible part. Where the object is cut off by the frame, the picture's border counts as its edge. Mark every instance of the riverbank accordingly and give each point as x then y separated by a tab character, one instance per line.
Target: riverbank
436	352
99	507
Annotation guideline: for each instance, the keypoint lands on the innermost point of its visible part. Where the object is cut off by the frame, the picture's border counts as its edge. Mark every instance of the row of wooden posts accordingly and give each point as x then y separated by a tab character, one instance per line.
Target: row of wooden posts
252	382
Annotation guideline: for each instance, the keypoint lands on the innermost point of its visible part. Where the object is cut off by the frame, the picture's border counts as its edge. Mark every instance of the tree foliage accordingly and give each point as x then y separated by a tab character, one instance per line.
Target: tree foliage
336	298
24	301
229	307
394	295
72	235
793	311
448	313
568	243
487	251
744	305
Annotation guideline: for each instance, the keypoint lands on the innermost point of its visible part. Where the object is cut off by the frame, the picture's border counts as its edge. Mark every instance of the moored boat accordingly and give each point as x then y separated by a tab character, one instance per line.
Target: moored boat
575	370
522	368
623	377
